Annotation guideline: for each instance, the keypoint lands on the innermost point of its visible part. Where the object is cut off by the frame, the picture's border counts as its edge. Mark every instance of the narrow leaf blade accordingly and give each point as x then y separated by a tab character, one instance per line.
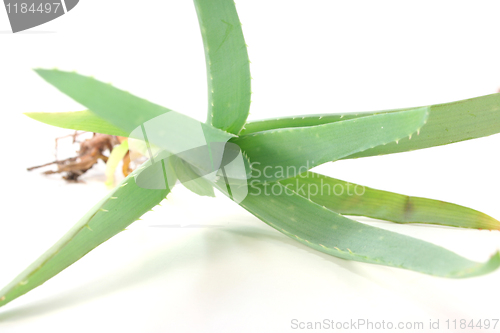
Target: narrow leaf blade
78	121
139	118
122	206
334	234
228	68
347	198
448	123
116	106
302	121
283	153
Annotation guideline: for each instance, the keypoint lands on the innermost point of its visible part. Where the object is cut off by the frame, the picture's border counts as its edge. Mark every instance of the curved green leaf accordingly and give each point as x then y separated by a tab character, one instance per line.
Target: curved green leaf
118	107
115	106
122	206
303	121
448	123
351	199
331	233
283	153
228	68
165	128
78	121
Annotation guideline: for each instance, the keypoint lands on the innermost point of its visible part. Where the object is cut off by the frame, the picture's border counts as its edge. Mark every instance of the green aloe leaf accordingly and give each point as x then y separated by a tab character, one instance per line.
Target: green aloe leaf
448	123
142	119
303	121
351	199
228	67
329	232
122	206
78	121
283	153
117	107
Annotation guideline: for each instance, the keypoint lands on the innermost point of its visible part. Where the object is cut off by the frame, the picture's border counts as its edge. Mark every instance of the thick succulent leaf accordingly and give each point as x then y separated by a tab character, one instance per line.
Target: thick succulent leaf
118	107
79	121
228	68
448	123
331	233
122	206
352	199
117	154
283	153
303	121
167	129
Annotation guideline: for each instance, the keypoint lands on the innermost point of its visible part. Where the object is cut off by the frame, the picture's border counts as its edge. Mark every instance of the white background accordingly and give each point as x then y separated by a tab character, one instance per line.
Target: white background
243	276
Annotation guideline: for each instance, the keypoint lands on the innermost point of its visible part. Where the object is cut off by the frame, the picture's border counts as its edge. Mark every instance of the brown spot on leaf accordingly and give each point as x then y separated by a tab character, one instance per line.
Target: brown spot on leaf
408	210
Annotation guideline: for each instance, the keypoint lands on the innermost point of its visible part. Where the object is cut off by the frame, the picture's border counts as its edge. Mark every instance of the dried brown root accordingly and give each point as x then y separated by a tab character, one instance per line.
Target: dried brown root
91	151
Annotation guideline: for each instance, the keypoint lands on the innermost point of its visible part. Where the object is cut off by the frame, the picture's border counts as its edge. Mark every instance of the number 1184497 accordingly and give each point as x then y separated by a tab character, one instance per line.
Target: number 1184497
23	8
472	324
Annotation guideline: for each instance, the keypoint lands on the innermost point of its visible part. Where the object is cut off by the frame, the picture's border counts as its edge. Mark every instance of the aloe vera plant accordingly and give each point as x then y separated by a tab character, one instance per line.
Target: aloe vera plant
275	155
